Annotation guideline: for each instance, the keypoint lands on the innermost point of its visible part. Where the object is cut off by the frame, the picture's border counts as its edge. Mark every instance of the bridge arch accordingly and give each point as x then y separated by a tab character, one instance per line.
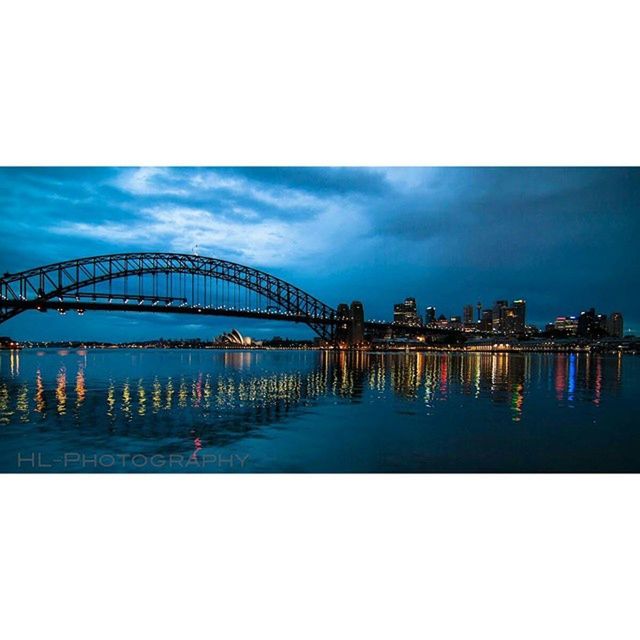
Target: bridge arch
83	281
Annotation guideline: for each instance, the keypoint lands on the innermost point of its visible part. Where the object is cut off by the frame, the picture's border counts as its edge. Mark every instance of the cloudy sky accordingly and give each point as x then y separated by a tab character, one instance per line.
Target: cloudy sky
563	239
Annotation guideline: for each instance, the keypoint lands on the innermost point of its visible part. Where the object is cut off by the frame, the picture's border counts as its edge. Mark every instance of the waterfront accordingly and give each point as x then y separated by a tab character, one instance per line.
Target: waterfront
316	411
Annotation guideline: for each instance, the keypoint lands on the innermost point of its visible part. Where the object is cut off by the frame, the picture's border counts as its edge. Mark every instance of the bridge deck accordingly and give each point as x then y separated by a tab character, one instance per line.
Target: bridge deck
180	308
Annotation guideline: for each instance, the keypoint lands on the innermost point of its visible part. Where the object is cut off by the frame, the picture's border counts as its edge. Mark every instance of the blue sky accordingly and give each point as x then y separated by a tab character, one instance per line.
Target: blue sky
564	239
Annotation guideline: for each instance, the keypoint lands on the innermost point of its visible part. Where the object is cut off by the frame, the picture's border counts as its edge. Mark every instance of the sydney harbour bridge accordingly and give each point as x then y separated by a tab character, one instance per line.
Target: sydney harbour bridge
169	283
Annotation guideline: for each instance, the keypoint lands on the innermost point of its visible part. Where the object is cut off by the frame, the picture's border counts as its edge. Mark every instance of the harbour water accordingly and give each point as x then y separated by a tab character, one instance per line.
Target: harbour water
118	410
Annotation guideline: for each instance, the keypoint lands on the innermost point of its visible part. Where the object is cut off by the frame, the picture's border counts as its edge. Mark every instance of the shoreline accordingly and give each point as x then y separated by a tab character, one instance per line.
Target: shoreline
423	350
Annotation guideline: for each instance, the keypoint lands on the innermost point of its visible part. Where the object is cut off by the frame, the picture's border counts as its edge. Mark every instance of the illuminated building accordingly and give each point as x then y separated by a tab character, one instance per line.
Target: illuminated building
568	324
520	307
343	326
350	325
602	322
615	325
510	321
357	322
8	343
234	338
498	315
486	321
467	314
590	325
430	315
406	313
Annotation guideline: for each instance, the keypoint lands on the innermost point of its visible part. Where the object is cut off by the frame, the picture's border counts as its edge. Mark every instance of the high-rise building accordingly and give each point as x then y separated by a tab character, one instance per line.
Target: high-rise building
350	323
479	308
467	314
430	315
343	325
357	322
406	313
510	321
603	323
590	324
498	315
567	324
486	321
615	325
520	307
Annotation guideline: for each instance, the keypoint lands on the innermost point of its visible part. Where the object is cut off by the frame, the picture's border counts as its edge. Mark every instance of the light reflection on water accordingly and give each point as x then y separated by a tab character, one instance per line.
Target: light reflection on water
191	400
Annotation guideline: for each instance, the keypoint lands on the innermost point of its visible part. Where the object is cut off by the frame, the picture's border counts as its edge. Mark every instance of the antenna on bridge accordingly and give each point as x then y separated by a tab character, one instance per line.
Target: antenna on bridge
195	250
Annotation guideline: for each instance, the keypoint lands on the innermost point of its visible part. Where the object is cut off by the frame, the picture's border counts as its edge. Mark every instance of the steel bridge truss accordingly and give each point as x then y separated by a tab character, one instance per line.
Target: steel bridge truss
162	282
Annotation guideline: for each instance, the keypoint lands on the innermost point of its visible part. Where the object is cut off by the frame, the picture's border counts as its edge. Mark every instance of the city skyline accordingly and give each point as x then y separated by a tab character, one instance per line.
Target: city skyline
559	238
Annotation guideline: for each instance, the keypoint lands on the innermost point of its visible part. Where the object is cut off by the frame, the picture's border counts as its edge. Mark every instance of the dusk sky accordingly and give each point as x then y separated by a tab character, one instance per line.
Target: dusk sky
563	239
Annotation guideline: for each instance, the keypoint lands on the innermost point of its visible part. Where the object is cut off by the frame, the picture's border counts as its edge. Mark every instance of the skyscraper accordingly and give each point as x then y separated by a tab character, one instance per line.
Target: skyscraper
486	322
615	325
590	325
510	321
343	325
350	323
430	315
467	314
566	324
603	323
357	322
406	313
498	315
520	307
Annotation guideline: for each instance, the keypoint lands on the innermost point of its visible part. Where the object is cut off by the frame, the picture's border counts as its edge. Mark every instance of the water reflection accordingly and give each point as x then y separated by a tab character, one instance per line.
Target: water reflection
126	401
142	398
14	363
41	404
5	411
81	391
221	399
61	391
111	400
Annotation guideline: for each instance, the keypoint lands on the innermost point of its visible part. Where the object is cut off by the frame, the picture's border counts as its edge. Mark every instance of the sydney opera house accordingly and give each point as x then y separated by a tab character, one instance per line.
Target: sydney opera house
234	338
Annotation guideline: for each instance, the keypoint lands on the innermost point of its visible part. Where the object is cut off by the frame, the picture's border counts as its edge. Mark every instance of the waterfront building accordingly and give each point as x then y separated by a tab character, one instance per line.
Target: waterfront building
406	313
486	321
357	322
615	325
513	318
510	321
590	324
567	324
498	315
520	307
603	323
234	339
343	325
467	314
430	315
350	323
7	343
